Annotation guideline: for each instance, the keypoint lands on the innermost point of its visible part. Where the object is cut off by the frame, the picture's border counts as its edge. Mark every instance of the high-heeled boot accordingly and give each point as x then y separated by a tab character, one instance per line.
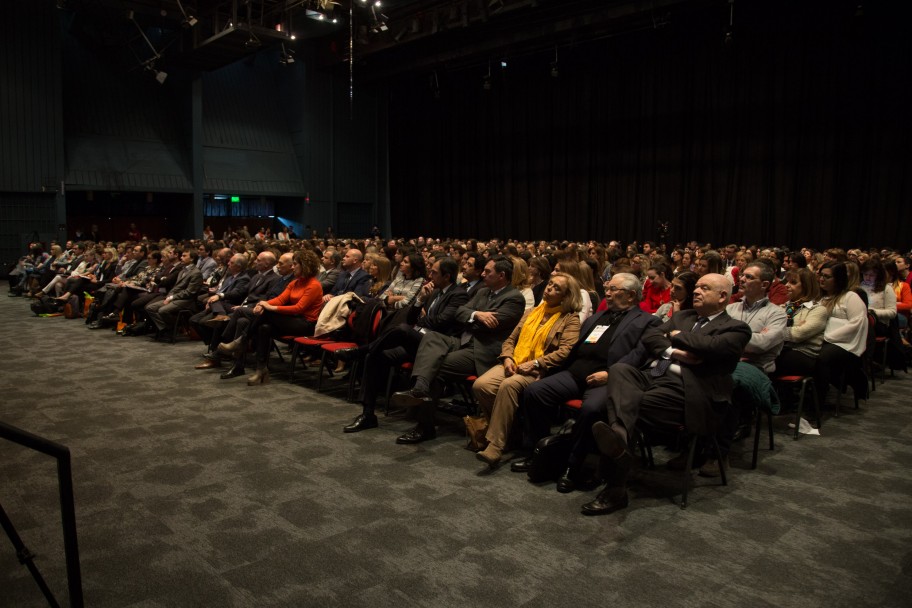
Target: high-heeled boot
229	348
260	376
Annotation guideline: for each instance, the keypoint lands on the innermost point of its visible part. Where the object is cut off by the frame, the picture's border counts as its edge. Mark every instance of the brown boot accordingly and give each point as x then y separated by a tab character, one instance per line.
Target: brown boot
490	455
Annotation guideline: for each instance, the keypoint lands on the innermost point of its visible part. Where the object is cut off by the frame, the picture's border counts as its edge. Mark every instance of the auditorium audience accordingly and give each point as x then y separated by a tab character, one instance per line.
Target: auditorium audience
825	334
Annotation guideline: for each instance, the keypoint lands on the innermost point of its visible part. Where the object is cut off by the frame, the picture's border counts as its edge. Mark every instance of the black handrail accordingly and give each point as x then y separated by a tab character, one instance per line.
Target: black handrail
67	512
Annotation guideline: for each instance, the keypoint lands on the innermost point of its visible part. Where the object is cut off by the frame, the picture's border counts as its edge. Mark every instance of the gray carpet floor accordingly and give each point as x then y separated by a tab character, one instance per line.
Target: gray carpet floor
193	491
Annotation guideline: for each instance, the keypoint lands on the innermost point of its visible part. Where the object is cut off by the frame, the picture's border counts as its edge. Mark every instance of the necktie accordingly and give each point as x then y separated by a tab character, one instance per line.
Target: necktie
701	321
660	368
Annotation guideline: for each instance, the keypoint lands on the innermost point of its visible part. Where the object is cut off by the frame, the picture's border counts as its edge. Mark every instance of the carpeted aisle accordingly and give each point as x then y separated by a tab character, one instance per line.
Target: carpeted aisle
193	491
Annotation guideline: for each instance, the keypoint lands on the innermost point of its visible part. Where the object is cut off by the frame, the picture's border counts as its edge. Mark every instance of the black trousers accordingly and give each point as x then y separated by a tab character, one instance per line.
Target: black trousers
392	349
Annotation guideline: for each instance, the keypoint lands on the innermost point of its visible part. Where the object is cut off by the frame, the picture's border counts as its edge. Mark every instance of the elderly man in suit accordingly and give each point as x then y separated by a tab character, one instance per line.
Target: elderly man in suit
607	337
488	319
689	384
228	293
182	296
435	308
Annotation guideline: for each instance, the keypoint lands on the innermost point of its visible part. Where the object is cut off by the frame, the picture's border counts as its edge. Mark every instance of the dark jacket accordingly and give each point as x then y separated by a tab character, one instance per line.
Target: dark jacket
719	344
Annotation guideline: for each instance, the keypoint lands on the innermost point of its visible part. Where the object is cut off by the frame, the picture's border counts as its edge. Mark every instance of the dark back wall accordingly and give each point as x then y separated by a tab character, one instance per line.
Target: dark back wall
794	134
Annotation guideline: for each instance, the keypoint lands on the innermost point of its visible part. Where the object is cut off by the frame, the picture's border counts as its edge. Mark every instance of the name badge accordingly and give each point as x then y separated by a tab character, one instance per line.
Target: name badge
596	333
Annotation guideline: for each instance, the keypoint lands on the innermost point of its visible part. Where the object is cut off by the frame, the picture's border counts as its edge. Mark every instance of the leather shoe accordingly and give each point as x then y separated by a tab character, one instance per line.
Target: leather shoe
609	443
565	484
94	325
215	321
234	372
521	466
361	423
416	435
208	364
608	501
410	398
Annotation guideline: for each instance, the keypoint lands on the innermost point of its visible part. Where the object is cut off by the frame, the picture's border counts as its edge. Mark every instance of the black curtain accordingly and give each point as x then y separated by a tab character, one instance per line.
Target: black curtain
795	133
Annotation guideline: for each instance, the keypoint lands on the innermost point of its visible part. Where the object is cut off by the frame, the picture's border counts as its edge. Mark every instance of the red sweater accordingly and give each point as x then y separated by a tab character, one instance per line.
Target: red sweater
302	297
653	297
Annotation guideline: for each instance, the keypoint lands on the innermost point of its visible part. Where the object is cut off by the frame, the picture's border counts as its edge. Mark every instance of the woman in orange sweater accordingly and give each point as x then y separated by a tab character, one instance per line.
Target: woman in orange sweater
294	312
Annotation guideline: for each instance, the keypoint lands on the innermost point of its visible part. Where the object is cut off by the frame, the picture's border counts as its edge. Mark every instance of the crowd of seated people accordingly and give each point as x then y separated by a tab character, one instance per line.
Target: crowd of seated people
538	324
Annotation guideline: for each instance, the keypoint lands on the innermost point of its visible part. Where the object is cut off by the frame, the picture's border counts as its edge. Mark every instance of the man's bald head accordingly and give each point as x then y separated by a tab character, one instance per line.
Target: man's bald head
711	294
265	261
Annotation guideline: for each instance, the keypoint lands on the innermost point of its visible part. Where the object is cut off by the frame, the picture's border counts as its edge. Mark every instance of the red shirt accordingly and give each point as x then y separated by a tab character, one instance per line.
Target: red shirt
653	297
302	297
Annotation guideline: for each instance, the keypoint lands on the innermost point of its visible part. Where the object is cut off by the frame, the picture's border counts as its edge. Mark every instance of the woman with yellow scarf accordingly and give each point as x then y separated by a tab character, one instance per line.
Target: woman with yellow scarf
540	343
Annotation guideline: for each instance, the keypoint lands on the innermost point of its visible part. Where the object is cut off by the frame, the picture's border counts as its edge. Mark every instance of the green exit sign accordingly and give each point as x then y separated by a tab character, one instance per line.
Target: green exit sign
235	199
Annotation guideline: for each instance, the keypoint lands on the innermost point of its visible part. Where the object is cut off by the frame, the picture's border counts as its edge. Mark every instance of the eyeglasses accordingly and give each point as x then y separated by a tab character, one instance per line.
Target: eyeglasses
613	289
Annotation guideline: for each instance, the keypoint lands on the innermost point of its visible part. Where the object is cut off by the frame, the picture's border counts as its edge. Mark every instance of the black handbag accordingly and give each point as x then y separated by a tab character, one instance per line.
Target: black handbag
549	460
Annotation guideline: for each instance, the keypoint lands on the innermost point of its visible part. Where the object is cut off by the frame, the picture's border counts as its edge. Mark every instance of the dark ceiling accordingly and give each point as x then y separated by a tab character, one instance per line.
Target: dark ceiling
395	38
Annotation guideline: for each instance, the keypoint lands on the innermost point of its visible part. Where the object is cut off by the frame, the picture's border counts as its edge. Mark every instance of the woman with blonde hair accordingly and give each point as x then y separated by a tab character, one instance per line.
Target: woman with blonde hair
521	280
568	264
379	268
539	344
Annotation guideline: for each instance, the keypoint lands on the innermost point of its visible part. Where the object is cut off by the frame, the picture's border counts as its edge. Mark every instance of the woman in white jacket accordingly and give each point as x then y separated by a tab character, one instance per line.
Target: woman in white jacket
846	334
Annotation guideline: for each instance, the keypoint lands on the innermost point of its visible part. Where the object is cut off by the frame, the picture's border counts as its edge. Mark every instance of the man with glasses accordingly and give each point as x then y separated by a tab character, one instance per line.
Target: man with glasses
766	320
607	337
688	385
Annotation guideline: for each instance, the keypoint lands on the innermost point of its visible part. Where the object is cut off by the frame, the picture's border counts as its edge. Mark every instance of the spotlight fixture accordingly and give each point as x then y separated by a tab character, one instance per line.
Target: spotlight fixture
189	20
287	56
378	23
160	76
554	71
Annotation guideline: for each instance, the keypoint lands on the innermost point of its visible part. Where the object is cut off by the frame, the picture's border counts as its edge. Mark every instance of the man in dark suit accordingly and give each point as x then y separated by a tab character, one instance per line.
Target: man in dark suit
230	292
689	384
472	267
181	297
435	308
607	337
352	278
488	319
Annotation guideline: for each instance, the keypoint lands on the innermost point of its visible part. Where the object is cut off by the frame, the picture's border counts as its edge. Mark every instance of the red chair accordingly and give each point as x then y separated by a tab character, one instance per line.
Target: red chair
331	348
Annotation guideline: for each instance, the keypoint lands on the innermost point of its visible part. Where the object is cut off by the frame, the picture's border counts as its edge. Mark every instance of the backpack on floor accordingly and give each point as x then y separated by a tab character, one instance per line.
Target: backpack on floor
46	305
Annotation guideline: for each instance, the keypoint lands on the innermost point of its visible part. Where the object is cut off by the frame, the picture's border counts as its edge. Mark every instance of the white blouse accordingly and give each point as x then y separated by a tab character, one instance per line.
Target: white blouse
847	326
